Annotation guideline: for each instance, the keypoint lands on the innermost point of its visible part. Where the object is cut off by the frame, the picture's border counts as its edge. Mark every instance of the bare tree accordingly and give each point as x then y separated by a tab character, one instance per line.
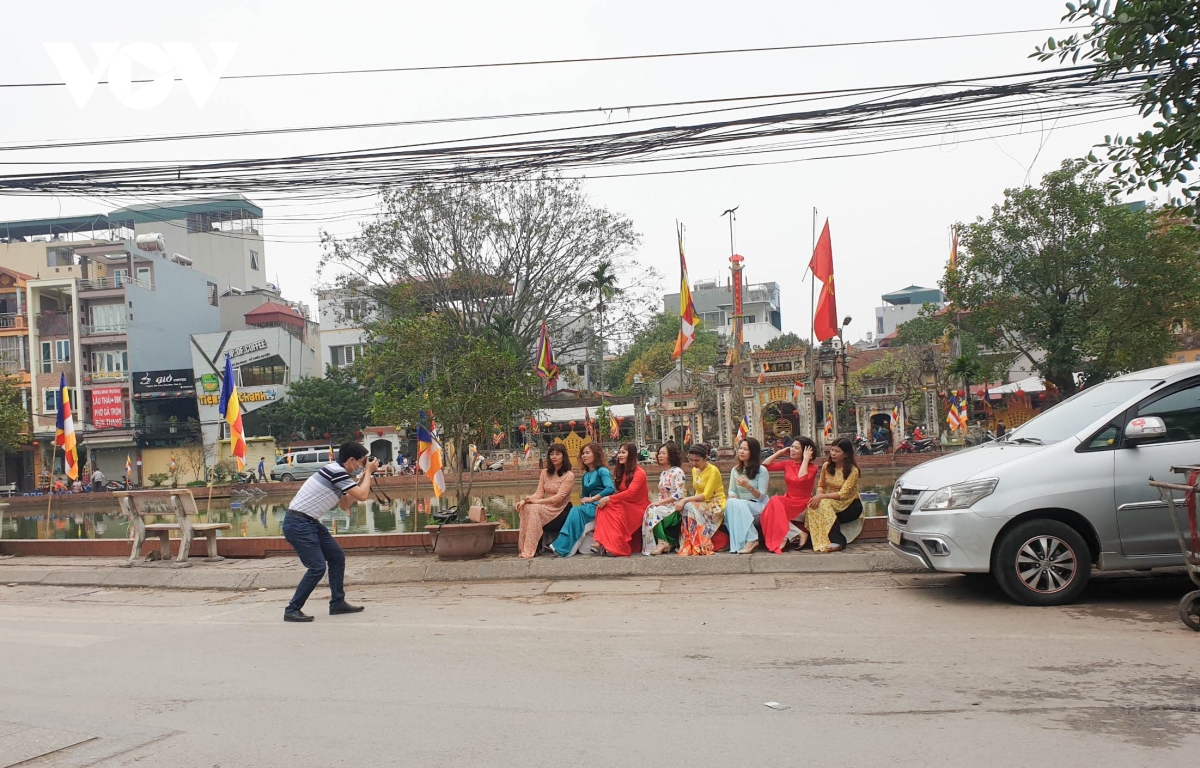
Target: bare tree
498	255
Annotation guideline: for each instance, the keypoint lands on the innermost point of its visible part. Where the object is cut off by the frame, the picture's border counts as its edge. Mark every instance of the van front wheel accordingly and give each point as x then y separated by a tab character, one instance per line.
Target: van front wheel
1042	562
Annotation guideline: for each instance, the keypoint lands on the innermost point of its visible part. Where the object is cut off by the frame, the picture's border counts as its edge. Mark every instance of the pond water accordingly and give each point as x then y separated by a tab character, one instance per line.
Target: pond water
263	516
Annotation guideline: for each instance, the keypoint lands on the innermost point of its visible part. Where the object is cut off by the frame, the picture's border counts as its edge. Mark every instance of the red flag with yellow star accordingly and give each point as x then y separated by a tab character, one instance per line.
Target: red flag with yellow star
825	321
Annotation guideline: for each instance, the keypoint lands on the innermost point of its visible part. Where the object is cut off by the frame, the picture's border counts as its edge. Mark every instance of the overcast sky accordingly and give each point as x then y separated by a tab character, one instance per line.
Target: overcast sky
889	214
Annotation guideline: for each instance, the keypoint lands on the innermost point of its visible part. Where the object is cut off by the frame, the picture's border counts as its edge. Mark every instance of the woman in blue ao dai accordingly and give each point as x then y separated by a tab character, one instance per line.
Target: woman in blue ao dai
597	483
747	496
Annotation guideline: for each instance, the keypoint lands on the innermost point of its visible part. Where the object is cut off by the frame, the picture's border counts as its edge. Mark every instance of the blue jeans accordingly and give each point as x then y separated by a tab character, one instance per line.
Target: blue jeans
315	547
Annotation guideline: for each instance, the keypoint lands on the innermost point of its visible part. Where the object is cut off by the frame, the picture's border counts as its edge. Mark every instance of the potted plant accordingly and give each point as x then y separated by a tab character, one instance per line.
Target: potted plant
458	539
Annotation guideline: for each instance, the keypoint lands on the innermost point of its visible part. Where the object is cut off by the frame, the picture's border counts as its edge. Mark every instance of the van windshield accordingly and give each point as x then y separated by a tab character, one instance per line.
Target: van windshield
1077	412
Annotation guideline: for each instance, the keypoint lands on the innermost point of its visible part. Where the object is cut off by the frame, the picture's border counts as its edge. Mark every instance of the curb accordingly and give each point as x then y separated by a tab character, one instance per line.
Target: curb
212	576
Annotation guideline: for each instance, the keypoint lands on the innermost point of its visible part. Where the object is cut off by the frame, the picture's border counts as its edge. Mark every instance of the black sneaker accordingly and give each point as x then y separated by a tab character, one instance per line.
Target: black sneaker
344	607
296	616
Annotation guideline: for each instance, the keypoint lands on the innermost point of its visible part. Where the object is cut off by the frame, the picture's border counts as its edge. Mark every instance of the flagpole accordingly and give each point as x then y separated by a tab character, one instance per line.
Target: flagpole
812	324
682	352
50	493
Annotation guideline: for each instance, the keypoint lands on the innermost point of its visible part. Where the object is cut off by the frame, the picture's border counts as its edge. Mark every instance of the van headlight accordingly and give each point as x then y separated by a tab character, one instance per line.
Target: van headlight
960	496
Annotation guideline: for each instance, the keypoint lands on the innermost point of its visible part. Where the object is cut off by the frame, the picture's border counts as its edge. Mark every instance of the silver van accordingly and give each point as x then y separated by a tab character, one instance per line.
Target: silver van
1062	494
298	465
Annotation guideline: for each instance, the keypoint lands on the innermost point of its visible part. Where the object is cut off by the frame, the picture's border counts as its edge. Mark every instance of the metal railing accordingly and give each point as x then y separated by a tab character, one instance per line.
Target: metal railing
50	365
107	283
13	367
125	424
12	321
106	329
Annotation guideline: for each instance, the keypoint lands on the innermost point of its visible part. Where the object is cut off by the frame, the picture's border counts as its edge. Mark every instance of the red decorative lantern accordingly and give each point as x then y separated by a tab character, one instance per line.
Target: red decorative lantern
572	423
521	428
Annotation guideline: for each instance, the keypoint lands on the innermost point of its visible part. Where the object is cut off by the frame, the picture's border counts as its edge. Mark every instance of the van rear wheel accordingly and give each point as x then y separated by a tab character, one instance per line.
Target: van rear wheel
1042	562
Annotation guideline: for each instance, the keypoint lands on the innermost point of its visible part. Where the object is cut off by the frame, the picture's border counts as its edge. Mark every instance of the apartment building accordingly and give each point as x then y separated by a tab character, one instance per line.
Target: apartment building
343	313
127	316
898	307
221	237
17	468
714	305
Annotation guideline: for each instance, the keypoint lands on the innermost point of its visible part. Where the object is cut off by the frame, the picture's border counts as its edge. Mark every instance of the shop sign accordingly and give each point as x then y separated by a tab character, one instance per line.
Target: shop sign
176	380
108	410
256	396
250	351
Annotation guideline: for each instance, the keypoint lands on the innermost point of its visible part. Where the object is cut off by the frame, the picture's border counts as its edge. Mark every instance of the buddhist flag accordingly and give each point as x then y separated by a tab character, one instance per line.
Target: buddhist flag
687	435
762	375
128	466
825	320
687	310
588	429
429	459
797	391
614	423
528	449
231	411
828	431
546	367
64	436
954	416
895	415
743	430
497	433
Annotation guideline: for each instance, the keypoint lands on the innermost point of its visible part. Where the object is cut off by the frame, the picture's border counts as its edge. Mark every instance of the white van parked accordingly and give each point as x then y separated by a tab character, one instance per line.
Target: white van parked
1062	494
300	464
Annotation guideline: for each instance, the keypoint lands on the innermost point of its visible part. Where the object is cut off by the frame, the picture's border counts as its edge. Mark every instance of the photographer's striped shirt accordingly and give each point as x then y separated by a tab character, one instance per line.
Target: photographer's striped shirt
322	491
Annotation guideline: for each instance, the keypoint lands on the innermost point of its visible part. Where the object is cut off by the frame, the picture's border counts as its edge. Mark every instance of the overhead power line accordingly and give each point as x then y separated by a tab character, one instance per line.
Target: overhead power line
590	59
893	119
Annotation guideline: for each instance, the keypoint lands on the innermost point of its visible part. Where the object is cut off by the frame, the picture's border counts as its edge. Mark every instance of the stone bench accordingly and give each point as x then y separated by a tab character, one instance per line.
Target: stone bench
179	504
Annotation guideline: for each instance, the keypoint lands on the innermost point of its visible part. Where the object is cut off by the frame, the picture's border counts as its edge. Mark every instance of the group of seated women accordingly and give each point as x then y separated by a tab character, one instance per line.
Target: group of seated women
819	499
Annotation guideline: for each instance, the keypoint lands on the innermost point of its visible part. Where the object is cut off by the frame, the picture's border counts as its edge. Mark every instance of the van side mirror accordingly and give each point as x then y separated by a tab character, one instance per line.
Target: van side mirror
1144	429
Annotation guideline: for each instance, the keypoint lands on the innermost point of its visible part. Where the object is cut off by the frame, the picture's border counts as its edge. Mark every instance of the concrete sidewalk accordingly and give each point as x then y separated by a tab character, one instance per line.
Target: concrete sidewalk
284	572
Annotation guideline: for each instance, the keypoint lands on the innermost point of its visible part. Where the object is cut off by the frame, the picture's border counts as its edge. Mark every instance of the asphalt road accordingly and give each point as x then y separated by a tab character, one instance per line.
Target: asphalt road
873	669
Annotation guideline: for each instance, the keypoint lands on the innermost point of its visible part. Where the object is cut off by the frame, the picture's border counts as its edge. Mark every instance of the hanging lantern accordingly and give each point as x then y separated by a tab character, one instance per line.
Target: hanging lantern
521	428
572	423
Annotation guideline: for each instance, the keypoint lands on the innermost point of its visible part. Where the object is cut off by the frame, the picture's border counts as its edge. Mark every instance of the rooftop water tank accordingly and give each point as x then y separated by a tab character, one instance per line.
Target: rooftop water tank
152	241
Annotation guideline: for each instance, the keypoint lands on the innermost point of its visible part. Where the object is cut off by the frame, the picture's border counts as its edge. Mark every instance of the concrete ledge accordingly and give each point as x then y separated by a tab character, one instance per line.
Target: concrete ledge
280	573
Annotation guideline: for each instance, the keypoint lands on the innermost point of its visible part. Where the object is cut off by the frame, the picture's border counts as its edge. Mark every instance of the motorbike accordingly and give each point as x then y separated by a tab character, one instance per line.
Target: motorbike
864	447
909	445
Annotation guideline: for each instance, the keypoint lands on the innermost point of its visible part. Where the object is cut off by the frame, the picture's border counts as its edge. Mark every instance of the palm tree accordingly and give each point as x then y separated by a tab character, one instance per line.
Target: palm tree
603	283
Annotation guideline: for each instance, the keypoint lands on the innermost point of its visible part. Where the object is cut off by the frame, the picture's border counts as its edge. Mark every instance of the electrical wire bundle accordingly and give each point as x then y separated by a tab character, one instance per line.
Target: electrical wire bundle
731	131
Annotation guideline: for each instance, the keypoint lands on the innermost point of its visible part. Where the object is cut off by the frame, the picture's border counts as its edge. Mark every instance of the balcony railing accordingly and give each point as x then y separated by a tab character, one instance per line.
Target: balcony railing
165	430
108	283
12	321
106	329
53	366
105	377
125	424
13	367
